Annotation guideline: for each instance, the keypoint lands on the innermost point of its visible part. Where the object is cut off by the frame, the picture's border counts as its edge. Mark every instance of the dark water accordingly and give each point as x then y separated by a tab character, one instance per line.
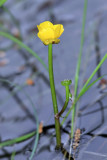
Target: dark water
16	113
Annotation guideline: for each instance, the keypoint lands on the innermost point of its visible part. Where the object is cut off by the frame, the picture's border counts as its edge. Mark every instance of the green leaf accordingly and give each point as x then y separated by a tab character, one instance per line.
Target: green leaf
79	63
93	73
88	87
17	140
2	2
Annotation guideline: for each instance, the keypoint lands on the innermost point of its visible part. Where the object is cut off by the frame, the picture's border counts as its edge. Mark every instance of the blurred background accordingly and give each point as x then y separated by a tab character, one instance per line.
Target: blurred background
23	79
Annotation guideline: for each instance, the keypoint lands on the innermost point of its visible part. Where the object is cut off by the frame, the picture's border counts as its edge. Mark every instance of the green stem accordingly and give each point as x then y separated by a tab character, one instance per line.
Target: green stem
53	94
63	109
66	102
67	93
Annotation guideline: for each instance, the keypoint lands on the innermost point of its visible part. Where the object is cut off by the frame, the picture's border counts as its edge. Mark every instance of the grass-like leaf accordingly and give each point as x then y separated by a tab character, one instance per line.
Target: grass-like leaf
78	64
87	86
17	140
83	91
2	2
93	73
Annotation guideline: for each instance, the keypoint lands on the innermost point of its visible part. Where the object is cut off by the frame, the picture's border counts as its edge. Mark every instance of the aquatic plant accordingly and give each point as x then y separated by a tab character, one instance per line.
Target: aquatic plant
49	34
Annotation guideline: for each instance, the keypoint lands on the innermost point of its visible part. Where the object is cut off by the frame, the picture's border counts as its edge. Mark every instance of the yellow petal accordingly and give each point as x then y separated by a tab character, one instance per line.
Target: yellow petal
46	34
58	30
44	25
49	33
62	29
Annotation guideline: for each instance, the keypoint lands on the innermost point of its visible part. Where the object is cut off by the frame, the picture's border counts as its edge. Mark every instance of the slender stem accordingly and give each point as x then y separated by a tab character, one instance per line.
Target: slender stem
63	109
66	102
53	94
67	93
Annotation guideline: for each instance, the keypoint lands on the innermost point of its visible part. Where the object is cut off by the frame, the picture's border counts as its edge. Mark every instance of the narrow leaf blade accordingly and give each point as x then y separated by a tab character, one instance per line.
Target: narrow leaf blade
2	2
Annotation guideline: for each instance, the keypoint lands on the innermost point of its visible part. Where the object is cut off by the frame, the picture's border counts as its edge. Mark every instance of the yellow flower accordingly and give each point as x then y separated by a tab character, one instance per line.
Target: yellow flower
49	33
